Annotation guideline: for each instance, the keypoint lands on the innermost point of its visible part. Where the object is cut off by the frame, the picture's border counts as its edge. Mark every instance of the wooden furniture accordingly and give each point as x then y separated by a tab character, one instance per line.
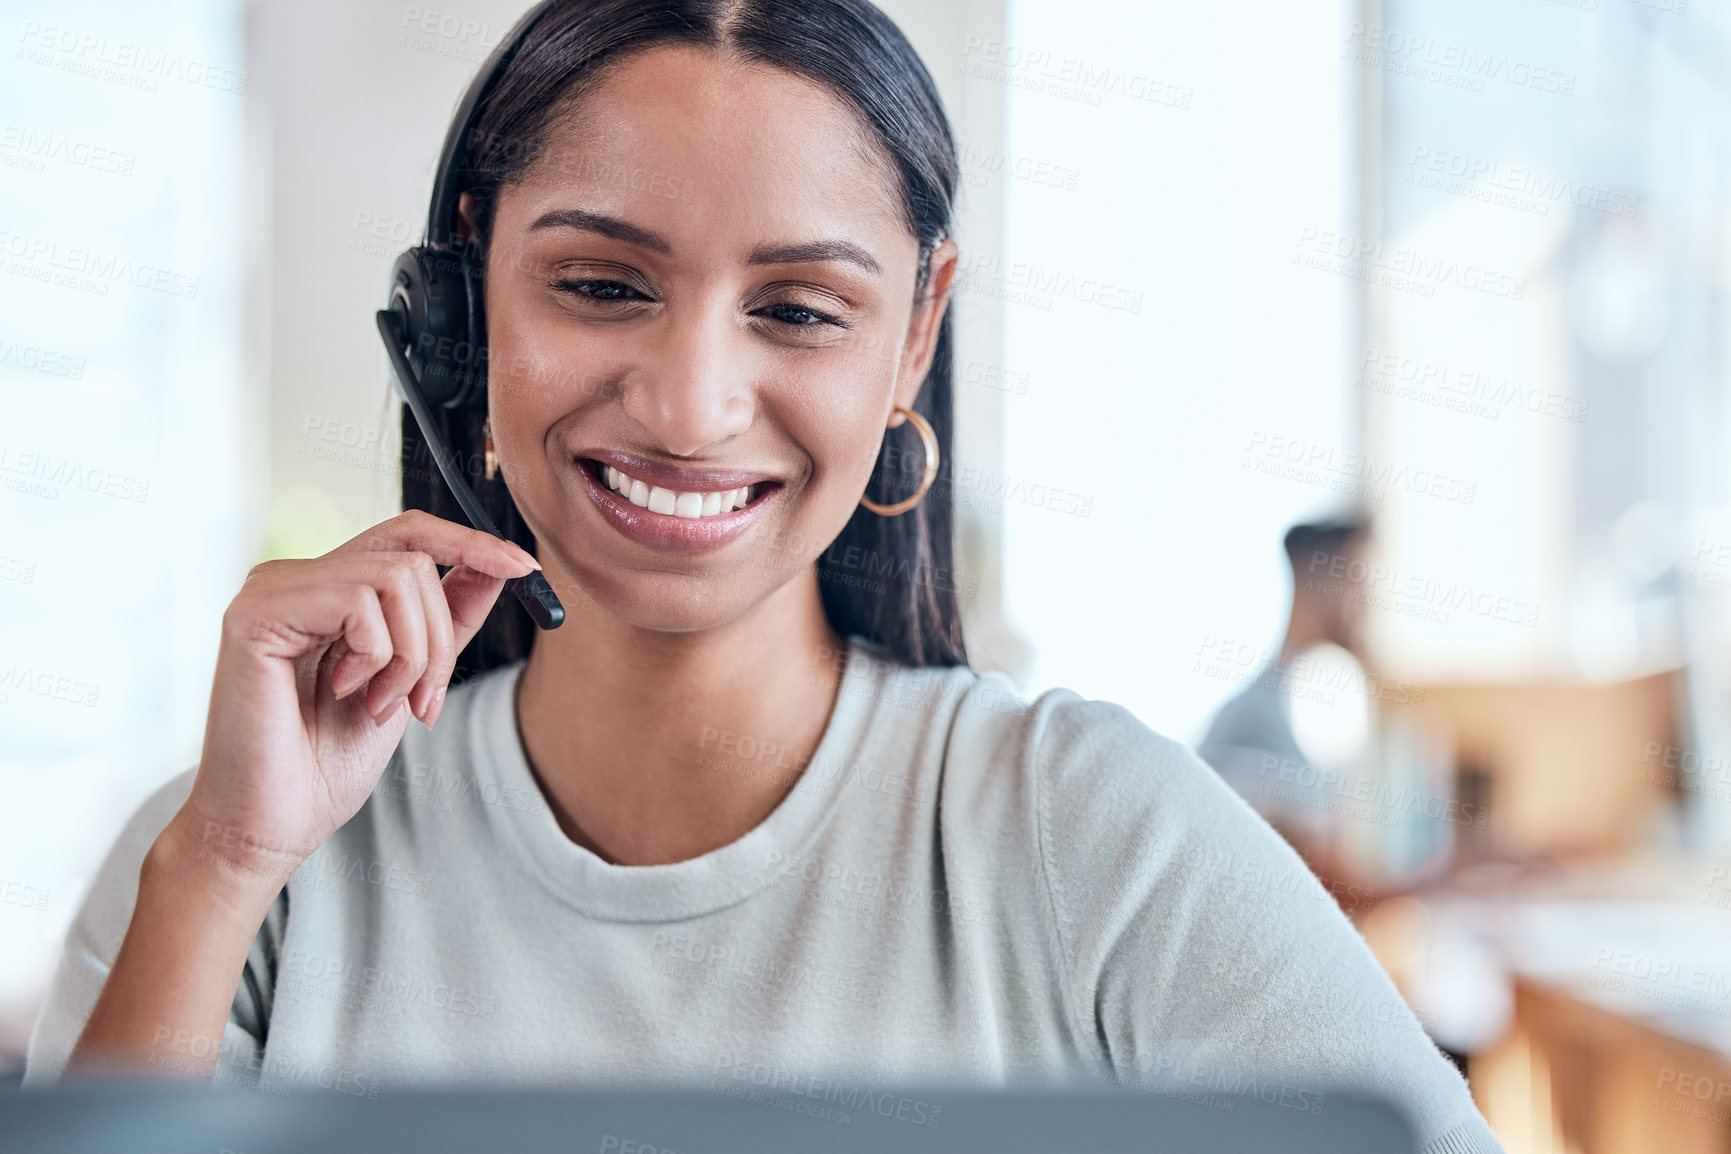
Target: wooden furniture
1563	769
1572	1077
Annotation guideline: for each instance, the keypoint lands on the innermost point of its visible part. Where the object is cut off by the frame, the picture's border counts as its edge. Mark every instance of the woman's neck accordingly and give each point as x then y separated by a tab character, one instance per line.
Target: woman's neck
658	747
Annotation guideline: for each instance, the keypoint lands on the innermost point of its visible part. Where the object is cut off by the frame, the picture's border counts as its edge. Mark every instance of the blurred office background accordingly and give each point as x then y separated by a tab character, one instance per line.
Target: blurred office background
1462	266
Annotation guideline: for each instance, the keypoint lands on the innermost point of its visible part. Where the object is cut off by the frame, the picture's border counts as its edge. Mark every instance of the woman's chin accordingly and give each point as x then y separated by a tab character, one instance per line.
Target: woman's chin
661	602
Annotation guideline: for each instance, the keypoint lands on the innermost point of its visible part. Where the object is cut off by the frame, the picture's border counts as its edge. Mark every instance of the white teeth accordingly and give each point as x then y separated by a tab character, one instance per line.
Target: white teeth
676	504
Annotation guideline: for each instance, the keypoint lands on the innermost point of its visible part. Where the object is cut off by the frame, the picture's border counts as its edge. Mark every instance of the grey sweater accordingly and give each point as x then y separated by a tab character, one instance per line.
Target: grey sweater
963	885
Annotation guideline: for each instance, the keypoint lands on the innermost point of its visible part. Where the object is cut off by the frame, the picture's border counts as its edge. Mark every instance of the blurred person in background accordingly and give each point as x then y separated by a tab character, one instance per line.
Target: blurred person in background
1349	787
1251	742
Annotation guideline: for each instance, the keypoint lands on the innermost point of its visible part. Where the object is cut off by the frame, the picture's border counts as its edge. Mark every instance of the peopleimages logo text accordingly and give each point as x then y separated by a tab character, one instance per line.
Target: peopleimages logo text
1422	268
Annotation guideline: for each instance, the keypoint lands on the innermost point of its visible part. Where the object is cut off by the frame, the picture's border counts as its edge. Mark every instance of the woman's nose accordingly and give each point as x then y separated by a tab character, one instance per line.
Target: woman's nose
693	385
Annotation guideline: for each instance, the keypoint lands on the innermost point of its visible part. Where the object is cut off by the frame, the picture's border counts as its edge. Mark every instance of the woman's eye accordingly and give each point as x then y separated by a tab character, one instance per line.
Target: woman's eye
799	315
600	290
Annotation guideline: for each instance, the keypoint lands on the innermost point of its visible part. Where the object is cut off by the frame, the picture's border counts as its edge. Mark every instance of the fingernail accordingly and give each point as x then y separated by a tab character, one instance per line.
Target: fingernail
383	716
437	707
527	556
345	678
419	699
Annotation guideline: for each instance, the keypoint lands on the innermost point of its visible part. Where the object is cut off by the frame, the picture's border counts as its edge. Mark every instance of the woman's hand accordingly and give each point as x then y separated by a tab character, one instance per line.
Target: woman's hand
321	663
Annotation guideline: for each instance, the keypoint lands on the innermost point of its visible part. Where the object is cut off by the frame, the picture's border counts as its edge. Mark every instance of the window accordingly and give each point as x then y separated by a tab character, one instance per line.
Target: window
128	451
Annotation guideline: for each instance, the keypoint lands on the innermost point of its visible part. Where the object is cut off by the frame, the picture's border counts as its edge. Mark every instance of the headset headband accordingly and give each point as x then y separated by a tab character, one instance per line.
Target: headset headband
447	186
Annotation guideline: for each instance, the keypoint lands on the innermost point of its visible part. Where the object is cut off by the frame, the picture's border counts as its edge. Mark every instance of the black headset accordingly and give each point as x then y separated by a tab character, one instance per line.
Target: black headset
432	324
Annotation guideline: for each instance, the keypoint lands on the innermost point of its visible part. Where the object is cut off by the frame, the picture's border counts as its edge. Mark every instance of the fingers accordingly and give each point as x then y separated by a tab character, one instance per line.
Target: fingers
446	542
429	621
470	597
441	647
380	597
424	639
290	622
399	581
457	608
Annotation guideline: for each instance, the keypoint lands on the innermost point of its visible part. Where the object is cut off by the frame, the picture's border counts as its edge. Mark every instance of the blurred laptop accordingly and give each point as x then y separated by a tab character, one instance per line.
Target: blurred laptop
100	1117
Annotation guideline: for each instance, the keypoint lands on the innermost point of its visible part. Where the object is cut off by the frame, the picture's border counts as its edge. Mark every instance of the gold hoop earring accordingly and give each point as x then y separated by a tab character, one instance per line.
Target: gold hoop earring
930	439
490	459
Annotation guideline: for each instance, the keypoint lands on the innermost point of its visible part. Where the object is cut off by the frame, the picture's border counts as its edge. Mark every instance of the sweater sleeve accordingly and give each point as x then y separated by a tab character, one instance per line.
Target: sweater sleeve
93	940
1198	948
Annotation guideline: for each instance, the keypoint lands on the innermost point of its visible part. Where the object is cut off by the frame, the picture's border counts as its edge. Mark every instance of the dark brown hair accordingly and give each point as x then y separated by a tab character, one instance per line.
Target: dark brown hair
889	579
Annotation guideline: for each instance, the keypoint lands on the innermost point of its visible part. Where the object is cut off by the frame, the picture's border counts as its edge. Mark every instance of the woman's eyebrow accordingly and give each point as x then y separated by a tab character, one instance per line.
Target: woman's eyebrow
616	229
817	250
607	226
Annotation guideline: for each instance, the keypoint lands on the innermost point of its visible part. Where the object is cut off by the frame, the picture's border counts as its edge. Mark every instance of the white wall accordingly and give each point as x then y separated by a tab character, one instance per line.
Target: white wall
1206	140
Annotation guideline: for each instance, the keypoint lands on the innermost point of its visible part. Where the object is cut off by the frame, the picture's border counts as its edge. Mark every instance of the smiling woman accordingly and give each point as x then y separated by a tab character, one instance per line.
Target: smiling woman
743	811
866	169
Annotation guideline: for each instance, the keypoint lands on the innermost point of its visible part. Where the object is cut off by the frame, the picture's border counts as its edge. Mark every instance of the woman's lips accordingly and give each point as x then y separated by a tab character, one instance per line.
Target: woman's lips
695	519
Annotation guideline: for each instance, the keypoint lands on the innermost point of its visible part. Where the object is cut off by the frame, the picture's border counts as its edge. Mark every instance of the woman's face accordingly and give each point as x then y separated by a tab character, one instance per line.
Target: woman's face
706	284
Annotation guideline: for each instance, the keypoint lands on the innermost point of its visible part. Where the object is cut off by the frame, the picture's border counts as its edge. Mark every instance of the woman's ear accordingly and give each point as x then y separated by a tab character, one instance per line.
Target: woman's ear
465	216
923	326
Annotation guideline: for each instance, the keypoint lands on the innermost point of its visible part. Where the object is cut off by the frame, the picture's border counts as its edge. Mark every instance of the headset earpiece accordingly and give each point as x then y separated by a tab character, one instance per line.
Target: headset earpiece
430	293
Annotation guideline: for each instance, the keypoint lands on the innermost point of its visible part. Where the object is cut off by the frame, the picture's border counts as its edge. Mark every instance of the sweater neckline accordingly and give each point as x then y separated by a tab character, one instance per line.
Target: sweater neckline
712	881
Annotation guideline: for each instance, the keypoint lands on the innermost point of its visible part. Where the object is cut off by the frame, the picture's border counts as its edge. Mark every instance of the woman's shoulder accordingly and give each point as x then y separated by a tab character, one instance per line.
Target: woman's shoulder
1119	812
1082	773
93	939
1120	823
1186	929
1076	749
